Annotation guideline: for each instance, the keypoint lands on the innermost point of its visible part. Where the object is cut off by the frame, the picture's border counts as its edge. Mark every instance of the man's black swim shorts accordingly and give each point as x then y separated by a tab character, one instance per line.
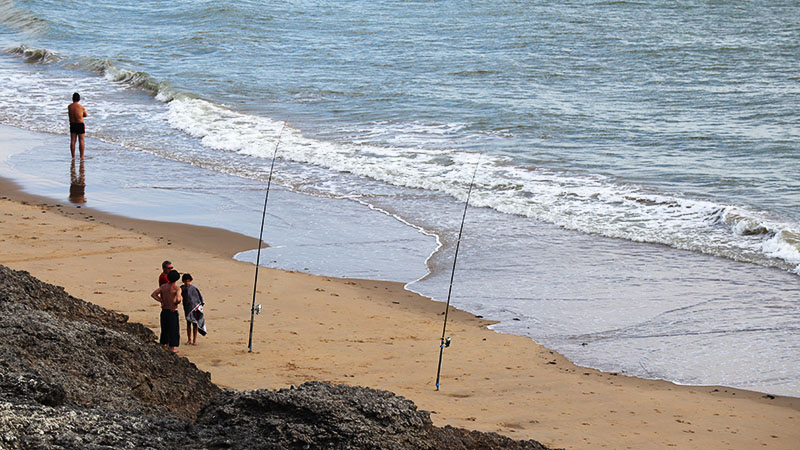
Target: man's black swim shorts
77	128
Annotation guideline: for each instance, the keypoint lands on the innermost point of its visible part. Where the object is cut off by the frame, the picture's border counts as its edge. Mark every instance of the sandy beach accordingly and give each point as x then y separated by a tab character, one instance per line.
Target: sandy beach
619	177
376	334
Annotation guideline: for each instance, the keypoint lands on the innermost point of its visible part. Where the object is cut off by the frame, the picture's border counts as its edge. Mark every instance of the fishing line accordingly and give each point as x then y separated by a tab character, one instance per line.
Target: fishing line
445	342
260	236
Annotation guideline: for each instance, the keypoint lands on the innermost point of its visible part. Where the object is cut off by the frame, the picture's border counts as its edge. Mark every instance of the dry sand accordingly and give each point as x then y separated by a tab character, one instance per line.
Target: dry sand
374	334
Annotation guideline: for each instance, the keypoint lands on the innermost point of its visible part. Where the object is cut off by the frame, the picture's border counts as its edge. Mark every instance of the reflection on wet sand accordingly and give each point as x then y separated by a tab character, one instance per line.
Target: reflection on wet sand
77	184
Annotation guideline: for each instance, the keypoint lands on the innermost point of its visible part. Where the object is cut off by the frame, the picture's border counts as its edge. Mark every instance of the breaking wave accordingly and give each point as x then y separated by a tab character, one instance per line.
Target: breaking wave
581	202
34	55
417	155
135	79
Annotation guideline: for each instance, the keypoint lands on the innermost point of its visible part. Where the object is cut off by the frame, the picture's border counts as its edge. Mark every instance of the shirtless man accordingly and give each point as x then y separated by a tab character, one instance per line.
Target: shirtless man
77	129
169	295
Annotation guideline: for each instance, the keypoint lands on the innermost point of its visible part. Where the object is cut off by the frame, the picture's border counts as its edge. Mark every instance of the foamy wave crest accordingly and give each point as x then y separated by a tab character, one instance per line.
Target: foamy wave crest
777	240
34	55
785	245
408	134
223	129
591	204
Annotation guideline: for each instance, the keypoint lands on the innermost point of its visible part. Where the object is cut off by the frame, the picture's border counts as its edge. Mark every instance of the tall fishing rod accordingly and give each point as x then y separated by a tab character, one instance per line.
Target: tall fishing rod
260	236
445	342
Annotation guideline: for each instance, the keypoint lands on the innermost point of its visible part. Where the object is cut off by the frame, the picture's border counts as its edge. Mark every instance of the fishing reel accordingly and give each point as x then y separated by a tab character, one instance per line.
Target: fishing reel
447	342
258	309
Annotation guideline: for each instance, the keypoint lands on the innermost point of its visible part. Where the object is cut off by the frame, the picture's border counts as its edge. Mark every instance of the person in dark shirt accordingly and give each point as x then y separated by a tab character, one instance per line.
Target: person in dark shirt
193	308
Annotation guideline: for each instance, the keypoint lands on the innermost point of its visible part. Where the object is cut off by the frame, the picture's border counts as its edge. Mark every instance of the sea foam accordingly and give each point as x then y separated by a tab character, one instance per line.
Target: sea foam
590	203
576	201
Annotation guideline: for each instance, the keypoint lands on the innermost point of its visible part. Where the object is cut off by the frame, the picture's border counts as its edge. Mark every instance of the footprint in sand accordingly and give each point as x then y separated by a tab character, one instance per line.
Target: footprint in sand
459	395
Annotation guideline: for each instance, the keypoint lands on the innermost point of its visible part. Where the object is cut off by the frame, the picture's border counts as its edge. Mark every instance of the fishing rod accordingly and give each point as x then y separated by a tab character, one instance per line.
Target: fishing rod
253	309
445	342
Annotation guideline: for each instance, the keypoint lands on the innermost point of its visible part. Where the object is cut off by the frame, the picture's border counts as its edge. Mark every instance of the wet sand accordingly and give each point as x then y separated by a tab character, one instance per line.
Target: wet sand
374	334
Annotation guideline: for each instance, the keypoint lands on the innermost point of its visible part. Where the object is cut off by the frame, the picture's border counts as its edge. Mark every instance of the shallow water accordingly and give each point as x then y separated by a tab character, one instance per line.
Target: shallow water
644	310
307	234
637	188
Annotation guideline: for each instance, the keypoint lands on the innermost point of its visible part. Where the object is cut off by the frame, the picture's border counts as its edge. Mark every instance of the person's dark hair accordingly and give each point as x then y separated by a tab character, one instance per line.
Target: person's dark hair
76	97
173	276
165	264
187	276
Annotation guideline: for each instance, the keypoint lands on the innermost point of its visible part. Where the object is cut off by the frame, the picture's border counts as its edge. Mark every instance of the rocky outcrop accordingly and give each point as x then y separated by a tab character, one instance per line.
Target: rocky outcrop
74	375
56	350
320	415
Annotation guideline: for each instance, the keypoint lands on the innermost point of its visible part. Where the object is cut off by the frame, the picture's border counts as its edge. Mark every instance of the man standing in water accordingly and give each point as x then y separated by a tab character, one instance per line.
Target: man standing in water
76	127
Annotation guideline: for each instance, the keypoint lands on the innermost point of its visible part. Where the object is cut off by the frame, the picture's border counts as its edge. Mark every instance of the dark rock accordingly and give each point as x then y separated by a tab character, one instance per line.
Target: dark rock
74	375
320	415
74	352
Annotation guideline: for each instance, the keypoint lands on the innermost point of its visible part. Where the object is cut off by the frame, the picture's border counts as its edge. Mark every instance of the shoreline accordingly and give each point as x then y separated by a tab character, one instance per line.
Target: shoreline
342	239
357	332
206	239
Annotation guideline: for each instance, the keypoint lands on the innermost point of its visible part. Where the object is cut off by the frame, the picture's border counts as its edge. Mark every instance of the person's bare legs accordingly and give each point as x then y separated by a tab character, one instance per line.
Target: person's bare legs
188	332
72	138
194	330
82	144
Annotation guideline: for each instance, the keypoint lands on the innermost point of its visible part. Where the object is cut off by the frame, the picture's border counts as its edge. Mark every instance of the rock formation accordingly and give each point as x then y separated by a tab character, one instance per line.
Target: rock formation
74	375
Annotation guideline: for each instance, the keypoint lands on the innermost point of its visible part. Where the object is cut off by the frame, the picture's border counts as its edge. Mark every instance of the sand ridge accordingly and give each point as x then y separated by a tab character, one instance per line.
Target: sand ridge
375	334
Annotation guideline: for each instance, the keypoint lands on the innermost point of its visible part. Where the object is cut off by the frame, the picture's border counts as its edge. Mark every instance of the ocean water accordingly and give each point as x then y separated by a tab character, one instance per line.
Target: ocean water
636	199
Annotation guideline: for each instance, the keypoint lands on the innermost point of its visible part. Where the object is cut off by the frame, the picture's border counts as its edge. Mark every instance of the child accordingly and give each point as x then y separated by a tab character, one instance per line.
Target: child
193	307
169	295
